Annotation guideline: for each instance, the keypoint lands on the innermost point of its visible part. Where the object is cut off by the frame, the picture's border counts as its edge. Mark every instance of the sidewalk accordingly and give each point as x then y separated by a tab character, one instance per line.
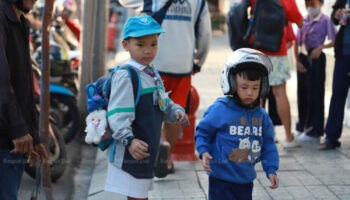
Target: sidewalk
305	173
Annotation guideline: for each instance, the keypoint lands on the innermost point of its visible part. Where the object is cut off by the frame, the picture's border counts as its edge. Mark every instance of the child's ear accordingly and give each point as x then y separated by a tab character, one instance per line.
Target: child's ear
125	44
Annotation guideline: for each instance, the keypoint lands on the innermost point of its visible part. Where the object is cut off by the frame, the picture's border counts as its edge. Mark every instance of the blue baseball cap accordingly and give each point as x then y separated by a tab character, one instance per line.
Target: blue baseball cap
140	26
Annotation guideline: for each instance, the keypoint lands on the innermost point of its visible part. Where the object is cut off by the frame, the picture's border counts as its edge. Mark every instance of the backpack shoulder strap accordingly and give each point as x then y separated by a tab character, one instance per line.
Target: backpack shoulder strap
135	80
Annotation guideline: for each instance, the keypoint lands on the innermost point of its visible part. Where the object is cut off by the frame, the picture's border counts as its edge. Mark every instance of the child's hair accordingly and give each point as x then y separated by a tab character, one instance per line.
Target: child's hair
252	74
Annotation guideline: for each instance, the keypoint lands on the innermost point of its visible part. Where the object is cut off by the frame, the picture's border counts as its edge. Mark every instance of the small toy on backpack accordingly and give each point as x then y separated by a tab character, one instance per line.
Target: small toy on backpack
96	125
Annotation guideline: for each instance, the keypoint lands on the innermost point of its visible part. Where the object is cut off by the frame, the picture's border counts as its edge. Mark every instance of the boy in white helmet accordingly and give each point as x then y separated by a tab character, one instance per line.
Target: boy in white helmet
235	132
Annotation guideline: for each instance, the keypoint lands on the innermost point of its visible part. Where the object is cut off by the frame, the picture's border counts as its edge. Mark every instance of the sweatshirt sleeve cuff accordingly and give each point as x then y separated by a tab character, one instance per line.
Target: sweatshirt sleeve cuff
201	150
269	171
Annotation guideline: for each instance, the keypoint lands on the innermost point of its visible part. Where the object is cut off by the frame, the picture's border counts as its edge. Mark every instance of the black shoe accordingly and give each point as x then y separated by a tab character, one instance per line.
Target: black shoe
325	146
161	169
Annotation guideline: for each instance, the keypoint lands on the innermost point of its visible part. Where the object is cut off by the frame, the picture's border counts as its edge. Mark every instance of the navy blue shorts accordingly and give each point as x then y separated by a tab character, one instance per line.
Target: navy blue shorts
220	189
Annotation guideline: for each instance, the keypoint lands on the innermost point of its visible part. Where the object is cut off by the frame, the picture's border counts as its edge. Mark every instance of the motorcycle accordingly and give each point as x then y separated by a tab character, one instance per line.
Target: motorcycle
57	149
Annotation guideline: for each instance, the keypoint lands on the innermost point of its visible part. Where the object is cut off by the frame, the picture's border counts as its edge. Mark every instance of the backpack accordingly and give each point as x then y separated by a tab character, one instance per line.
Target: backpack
268	25
98	94
263	32
237	21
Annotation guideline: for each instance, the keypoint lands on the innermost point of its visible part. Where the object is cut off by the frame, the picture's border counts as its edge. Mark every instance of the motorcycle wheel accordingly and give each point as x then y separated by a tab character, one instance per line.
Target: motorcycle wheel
57	156
65	113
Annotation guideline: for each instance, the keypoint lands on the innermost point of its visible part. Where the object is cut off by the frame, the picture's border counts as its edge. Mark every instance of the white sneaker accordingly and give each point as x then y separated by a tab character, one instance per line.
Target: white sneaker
298	134
293	144
306	138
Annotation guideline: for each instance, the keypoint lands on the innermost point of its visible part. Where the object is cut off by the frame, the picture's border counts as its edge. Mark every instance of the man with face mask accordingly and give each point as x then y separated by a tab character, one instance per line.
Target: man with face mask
19	138
311	65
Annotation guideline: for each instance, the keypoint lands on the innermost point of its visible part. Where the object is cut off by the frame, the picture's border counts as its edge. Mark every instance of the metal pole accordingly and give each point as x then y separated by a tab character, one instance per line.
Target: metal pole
88	36
45	96
100	47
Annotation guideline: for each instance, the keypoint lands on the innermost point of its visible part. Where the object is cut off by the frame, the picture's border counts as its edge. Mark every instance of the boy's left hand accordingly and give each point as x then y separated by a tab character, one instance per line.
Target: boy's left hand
274	181
182	118
315	54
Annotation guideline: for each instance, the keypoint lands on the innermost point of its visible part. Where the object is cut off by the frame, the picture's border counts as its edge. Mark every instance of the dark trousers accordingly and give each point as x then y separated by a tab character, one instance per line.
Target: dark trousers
11	171
311	89
220	189
341	81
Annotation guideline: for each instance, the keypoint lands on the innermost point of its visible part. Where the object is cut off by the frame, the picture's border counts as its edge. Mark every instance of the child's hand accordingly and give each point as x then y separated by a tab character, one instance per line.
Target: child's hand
315	54
301	68
274	181
182	118
138	149
206	157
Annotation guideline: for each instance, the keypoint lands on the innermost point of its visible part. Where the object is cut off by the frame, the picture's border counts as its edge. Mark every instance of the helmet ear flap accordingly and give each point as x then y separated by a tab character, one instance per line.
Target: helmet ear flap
265	87
232	83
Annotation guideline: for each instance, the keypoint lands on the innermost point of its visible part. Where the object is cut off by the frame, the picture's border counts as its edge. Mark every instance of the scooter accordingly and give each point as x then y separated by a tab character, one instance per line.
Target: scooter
57	149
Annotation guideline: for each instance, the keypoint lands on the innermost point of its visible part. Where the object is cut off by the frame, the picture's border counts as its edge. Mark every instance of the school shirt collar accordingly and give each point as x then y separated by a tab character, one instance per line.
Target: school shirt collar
137	65
316	19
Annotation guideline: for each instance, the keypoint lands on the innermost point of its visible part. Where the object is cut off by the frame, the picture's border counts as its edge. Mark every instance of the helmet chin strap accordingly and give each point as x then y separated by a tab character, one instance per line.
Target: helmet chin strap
238	101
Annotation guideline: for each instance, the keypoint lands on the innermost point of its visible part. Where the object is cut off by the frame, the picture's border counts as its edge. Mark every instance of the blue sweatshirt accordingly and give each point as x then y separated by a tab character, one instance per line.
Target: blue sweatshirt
237	139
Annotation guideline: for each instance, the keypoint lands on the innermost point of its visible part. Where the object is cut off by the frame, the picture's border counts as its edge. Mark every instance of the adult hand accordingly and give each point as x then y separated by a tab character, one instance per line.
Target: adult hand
23	145
182	118
39	153
315	54
301	68
339	13
138	149
274	181
206	157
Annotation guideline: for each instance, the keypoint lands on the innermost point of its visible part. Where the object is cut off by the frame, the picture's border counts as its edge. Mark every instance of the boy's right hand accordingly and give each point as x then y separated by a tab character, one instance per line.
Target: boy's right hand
301	68
206	157
138	149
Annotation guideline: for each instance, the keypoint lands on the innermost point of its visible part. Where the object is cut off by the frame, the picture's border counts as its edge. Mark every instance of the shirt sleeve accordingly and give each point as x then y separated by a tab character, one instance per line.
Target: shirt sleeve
203	36
10	113
331	31
269	153
292	11
121	106
206	130
169	113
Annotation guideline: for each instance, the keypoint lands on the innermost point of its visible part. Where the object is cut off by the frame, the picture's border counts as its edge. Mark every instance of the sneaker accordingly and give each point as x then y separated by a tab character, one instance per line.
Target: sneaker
298	133
293	144
307	138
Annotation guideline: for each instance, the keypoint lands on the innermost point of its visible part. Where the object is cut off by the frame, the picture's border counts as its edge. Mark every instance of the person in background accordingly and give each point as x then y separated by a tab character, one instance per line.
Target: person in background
311	74
19	136
341	78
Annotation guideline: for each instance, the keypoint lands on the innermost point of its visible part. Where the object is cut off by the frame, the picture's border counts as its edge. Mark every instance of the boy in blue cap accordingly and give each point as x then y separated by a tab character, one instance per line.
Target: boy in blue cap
236	132
137	126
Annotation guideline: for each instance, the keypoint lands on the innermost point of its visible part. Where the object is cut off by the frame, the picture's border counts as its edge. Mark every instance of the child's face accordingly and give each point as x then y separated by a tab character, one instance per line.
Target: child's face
248	91
313	3
142	49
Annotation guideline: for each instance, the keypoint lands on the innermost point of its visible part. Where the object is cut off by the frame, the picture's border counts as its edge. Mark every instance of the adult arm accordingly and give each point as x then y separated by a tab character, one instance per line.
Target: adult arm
337	7
203	36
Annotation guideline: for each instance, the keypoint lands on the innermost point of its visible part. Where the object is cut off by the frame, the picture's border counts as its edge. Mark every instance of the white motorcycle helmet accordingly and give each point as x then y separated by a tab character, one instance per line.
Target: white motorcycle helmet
239	59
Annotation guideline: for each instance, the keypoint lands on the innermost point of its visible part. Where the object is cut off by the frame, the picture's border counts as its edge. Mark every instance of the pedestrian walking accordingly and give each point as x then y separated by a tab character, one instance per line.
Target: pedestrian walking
311	74
182	52
341	78
236	132
280	74
19	137
138	128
